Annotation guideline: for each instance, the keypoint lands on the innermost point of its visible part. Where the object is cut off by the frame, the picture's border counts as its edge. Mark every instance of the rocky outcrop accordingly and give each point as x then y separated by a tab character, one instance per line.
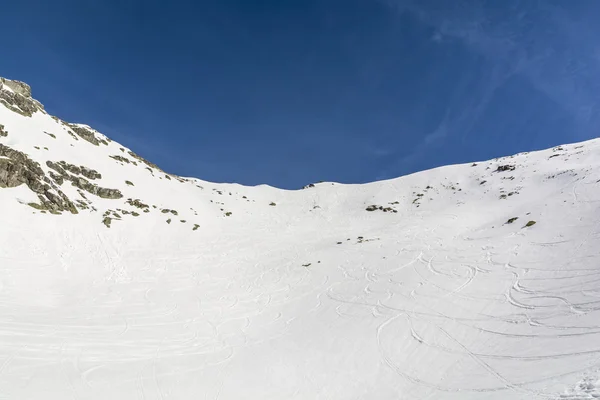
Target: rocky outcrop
120	159
375	207
55	202
89	187
504	168
62	167
16	169
90	173
137	203
16	96
85	134
17	86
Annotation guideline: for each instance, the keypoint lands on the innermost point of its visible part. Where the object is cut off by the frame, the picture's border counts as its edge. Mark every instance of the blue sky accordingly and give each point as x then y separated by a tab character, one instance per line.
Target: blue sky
287	92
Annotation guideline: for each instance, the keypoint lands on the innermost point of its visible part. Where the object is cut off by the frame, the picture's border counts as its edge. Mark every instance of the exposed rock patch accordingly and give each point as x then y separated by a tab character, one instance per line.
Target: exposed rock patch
137	203
18	97
374	207
3	133
121	159
89	187
504	168
61	166
16	169
85	134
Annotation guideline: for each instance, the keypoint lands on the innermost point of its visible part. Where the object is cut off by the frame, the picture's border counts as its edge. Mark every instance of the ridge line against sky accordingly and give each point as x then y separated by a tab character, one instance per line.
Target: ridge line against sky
287	93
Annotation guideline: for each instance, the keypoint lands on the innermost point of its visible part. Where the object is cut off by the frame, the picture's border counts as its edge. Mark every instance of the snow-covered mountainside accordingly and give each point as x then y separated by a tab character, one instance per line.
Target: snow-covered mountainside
121	281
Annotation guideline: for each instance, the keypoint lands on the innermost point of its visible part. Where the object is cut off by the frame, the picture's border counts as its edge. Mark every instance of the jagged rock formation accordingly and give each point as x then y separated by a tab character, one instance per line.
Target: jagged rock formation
16	168
87	134
16	96
62	167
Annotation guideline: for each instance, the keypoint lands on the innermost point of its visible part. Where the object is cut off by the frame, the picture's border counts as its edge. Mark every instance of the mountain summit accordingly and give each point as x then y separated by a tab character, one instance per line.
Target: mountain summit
119	280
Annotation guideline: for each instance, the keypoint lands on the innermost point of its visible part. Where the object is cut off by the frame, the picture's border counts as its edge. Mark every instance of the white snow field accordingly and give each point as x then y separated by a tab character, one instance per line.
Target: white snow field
313	297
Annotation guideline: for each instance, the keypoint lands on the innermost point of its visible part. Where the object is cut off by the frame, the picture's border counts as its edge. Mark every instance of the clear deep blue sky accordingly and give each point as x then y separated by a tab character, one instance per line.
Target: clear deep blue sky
287	92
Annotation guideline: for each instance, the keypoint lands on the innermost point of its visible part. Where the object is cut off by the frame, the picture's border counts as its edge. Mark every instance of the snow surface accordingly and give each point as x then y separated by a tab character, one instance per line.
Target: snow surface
311	298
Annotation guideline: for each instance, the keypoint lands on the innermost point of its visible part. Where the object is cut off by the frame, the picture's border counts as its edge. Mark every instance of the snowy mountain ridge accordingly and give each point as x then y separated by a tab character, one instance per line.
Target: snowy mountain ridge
119	280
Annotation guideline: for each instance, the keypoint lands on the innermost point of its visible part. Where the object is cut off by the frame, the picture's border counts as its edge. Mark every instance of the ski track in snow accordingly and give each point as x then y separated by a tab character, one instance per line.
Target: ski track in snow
441	301
446	324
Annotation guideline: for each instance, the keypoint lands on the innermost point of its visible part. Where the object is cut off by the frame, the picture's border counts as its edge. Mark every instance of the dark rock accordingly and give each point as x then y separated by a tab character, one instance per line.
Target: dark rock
137	203
16	169
106	193
85	134
504	168
18	99
62	166
90	173
89	187
59	180
121	159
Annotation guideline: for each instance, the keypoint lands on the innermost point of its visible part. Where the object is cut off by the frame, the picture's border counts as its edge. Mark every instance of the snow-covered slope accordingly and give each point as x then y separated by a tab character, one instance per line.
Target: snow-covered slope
121	281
